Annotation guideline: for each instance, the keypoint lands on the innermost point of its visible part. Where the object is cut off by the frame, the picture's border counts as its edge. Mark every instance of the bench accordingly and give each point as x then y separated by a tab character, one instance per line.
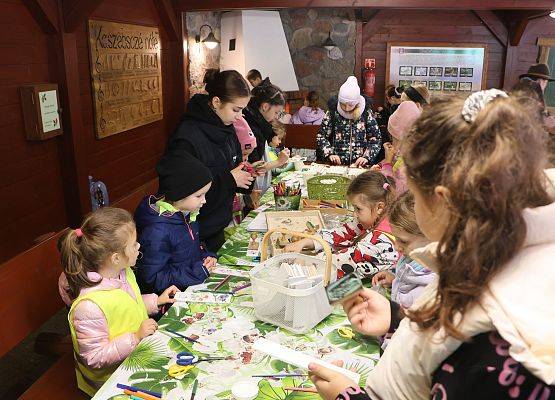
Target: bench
29	287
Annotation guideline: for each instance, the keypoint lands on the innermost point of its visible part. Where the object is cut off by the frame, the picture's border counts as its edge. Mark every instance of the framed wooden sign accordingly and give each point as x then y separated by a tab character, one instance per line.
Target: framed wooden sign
126	76
441	67
41	110
547	56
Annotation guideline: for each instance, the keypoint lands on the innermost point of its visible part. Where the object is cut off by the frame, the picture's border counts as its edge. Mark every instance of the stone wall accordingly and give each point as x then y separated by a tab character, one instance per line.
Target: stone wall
315	67
200	57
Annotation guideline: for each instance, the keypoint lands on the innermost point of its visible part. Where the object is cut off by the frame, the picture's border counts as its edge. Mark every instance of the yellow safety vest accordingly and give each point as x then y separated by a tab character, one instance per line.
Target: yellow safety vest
123	315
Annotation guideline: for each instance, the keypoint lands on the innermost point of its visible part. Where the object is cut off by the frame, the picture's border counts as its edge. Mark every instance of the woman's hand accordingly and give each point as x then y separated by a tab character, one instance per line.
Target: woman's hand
389	152
147	328
209	263
383	278
360	162
329	383
335	159
243	179
369	312
167	295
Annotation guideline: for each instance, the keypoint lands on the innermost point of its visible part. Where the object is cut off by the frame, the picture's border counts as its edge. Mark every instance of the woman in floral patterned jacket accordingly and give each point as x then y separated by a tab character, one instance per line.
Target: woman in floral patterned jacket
349	134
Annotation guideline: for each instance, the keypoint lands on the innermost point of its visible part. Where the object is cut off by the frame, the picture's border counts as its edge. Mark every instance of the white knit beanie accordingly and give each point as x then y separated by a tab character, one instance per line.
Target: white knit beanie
349	92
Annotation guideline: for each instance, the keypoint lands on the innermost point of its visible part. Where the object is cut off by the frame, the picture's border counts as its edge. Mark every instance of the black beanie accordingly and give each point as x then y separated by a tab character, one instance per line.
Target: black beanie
181	176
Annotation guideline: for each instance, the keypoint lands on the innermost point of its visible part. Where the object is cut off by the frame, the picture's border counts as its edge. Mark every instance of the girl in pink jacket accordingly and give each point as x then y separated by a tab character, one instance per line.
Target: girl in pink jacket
108	316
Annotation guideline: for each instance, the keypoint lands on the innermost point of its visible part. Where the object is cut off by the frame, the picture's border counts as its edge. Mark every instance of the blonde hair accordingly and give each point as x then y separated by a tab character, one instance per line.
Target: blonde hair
279	129
402	215
102	233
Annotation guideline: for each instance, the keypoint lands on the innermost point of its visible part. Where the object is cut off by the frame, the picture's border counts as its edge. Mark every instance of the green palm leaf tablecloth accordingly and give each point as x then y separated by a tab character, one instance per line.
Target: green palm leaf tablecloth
229	330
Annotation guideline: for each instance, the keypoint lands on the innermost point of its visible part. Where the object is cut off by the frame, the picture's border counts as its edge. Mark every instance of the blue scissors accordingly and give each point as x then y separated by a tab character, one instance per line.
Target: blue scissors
185	358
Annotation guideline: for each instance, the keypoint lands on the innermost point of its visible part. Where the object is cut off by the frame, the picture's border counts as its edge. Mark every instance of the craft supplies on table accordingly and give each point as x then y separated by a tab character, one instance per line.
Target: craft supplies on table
245	390
305	222
201	296
328	187
289	289
287	197
297	358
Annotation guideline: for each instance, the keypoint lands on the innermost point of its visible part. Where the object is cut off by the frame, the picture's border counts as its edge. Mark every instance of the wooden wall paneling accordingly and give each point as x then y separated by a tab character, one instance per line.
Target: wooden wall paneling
199	5
44	14
73	151
494	24
76	12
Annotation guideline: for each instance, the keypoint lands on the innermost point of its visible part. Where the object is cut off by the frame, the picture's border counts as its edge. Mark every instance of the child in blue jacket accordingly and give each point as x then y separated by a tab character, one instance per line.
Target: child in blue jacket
166	227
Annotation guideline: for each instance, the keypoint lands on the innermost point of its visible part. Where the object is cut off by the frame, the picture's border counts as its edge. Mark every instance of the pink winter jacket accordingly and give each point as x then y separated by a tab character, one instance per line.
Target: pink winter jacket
95	348
396	171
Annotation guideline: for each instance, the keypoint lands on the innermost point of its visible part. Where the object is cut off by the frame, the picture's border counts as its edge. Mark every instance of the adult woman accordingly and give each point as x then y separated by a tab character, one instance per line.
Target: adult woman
349	133
206	132
264	107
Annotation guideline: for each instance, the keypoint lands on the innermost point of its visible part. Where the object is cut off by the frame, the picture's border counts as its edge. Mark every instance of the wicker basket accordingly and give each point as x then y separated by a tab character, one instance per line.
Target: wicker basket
295	309
328	187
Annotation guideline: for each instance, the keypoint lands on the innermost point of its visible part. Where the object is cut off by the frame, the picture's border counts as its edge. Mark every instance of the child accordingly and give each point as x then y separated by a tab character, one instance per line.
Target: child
167	228
271	159
410	277
310	113
418	94
108	316
247	140
398	126
365	246
485	328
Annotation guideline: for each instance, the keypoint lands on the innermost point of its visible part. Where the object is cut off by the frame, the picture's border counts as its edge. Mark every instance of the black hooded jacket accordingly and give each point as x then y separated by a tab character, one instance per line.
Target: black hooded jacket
202	134
262	130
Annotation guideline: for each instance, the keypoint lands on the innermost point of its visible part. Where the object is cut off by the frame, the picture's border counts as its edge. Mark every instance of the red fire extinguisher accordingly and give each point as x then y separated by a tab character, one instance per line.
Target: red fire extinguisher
369	76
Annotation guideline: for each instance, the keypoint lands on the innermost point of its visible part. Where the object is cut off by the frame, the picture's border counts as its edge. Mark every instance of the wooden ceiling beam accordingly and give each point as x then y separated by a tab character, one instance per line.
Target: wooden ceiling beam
494	24
76	12
198	5
44	15
167	14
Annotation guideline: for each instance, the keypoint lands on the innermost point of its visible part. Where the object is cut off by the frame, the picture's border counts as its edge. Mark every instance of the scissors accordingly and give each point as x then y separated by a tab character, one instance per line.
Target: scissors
346	332
185	358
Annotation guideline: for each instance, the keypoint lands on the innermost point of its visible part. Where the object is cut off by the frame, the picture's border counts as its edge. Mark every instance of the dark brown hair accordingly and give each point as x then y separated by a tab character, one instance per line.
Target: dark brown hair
375	187
227	86
103	232
267	93
254	74
402	215
313	99
493	169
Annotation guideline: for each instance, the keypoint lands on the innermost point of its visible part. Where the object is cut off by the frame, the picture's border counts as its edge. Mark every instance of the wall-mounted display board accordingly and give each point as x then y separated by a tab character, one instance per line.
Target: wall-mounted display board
547	56
41	110
441	67
126	76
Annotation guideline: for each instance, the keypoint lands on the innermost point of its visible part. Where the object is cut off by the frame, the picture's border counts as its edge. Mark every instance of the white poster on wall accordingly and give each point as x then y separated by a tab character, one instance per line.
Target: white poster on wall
49	111
438	67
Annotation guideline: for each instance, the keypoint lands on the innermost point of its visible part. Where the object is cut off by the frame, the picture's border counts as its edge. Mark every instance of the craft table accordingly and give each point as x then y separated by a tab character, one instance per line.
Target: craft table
230	330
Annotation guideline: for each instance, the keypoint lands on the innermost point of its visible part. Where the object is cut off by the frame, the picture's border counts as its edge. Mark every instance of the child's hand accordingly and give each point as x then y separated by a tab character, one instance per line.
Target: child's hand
376	167
209	263
389	152
167	295
383	278
298	246
147	328
329	383
369	312
283	157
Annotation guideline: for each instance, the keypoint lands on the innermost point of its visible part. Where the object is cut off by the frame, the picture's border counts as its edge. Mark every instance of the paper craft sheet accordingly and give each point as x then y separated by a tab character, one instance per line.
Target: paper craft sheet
204	297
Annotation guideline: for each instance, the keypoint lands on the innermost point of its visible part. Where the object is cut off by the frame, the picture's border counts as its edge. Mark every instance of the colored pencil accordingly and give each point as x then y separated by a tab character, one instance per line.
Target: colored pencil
180	335
194	392
219	285
278	375
136	389
238	288
213	291
301	389
141	395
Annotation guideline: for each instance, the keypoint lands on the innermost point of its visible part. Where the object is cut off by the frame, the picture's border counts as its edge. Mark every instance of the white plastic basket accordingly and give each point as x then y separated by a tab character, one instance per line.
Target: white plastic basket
297	310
